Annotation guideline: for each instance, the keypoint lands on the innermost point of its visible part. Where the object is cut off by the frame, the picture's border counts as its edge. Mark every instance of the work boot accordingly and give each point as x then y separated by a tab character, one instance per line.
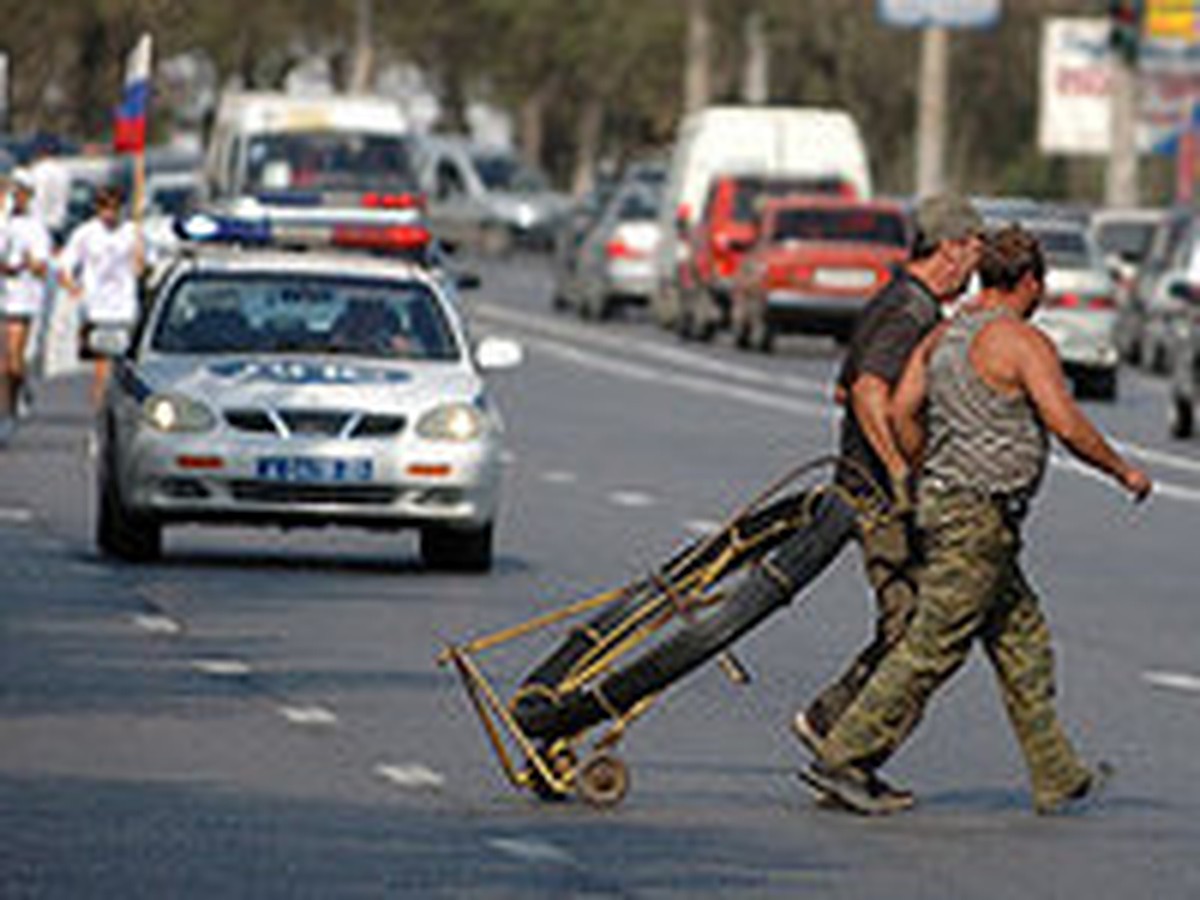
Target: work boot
1084	797
899	798
855	789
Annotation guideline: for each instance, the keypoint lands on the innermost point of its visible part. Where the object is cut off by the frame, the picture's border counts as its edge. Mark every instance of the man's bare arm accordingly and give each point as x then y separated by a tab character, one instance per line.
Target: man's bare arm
908	400
870	398
1041	377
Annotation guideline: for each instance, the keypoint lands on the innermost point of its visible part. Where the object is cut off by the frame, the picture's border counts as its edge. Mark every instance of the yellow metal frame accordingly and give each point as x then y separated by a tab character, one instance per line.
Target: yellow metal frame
679	590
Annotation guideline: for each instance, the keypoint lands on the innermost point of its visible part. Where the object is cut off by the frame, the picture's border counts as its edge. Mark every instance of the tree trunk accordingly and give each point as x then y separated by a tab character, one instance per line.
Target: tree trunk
531	124
587	145
697	57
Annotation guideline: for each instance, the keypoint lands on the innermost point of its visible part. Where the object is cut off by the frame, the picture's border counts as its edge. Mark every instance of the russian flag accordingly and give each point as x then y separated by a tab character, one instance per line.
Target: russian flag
129	129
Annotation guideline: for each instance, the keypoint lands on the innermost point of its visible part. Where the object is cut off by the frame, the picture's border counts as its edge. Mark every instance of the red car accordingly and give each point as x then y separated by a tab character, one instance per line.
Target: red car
721	236
815	264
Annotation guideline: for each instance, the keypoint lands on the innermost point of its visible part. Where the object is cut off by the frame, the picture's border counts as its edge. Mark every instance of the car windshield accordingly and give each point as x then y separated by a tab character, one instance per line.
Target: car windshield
283	313
300	161
856	226
507	173
1128	240
1065	249
751	192
639	205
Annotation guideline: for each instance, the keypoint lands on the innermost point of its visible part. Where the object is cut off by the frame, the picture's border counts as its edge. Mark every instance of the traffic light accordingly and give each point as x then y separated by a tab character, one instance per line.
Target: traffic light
1125	28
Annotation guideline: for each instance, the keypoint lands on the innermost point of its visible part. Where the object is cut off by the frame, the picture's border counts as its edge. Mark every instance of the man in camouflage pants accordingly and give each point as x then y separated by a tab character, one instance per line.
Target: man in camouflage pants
986	386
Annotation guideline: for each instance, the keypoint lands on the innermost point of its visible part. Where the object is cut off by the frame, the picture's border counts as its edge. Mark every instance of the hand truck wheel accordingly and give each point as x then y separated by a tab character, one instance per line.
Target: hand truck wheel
602	780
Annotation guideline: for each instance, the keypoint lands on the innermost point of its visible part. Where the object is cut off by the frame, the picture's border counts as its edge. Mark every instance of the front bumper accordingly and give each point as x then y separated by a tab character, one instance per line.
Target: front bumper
802	311
194	478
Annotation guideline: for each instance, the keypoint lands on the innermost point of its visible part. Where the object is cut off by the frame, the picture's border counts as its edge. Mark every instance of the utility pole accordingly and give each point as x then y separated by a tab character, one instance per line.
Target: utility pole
697	57
931	110
1121	182
756	75
361	73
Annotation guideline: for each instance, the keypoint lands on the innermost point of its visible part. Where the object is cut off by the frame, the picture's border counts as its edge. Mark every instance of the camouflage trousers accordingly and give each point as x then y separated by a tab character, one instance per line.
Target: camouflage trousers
890	561
971	588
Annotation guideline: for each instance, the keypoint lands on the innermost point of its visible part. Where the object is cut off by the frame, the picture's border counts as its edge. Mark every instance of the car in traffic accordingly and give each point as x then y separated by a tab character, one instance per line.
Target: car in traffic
611	263
1146	300
1184	335
487	196
302	389
815	264
1078	311
726	229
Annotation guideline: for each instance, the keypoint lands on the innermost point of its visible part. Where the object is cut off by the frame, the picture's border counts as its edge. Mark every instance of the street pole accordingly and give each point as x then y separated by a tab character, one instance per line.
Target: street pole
360	76
756	75
931	110
1121	185
697	56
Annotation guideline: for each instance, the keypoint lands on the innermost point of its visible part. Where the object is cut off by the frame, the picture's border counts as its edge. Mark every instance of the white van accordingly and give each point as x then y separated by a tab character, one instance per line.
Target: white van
801	142
280	150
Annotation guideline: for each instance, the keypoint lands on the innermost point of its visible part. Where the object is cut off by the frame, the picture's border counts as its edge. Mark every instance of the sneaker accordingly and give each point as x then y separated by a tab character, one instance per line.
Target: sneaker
851	787
813	741
1083	797
899	798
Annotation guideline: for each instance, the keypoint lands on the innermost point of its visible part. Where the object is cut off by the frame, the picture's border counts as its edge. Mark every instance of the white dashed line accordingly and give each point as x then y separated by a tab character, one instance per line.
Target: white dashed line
16	515
410	775
507	457
153	624
1162	457
701	526
557	476
1176	681
630	499
533	850
222	668
309	715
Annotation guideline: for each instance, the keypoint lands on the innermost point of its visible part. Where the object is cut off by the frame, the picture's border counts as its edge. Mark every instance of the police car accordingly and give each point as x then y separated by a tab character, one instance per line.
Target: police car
302	389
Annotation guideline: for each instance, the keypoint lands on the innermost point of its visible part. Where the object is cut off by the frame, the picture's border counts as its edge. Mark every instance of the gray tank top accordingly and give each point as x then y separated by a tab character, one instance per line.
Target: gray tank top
978	438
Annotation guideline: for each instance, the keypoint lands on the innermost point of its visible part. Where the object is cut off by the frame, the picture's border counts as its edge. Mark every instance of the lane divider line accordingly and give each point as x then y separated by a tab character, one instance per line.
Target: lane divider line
410	776
223	668
1176	681
532	850
309	716
158	624
559	476
15	514
631	499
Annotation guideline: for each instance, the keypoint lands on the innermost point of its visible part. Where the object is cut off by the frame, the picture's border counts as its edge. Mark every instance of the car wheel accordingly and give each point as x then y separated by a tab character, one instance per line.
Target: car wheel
457	550
742	338
1182	417
121	533
1102	384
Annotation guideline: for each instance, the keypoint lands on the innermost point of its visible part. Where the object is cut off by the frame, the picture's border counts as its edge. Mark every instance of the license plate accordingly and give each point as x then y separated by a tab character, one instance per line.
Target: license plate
849	279
314	470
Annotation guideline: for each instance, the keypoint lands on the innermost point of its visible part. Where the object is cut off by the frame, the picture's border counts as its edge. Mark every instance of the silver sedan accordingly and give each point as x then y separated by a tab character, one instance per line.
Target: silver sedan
302	390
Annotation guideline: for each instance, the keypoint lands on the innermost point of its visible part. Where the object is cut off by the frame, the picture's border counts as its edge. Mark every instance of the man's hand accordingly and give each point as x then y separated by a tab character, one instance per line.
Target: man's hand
1137	482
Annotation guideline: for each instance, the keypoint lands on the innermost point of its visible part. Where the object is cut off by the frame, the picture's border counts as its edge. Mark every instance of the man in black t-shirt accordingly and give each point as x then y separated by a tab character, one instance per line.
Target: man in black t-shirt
945	251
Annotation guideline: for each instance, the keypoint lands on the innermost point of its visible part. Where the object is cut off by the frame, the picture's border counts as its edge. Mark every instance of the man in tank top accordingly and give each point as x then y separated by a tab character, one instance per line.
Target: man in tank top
973	410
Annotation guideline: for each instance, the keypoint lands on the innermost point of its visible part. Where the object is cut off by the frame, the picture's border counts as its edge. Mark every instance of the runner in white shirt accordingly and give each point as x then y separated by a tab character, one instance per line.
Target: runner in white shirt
27	250
100	266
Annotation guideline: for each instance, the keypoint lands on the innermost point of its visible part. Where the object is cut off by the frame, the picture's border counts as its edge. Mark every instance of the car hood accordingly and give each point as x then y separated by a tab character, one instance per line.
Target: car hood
314	382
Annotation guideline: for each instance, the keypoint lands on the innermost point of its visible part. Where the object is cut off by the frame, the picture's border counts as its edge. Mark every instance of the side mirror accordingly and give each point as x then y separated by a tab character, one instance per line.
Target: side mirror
108	340
467	281
1181	290
494	353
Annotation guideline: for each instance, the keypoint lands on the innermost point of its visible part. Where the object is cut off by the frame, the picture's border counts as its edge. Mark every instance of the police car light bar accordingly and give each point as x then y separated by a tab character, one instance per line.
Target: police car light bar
205	228
377	200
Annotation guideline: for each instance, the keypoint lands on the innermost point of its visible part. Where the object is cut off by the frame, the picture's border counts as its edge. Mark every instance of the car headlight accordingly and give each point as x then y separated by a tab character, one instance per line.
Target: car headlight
174	413
452	422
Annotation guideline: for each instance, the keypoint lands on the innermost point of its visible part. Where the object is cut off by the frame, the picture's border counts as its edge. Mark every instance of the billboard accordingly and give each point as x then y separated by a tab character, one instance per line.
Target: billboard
942	13
1074	89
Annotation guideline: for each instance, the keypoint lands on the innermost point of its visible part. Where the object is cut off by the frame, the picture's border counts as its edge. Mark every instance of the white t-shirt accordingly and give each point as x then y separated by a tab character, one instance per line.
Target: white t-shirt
52	191
26	238
103	261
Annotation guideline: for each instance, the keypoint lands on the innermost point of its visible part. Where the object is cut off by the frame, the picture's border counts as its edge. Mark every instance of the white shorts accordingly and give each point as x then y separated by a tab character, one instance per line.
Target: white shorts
16	306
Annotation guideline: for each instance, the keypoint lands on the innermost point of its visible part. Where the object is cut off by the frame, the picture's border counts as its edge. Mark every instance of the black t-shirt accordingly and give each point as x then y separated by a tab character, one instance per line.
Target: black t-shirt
888	330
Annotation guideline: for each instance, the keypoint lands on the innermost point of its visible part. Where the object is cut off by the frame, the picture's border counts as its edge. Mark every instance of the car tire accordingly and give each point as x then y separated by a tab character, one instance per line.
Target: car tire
1182	418
742	338
121	533
1098	385
457	550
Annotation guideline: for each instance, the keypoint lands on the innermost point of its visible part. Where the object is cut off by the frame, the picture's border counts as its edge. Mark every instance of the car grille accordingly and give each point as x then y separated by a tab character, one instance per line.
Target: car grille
303	494
315	423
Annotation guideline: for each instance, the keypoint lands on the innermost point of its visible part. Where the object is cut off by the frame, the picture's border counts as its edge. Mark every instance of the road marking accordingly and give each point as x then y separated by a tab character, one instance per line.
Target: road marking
702	526
1177	681
631	499
1161	488
309	715
156	624
1162	457
534	850
557	476
222	668
15	514
507	458
410	775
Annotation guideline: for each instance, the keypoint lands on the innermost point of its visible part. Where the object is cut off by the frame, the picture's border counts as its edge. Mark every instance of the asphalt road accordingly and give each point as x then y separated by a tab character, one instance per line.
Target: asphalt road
260	715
